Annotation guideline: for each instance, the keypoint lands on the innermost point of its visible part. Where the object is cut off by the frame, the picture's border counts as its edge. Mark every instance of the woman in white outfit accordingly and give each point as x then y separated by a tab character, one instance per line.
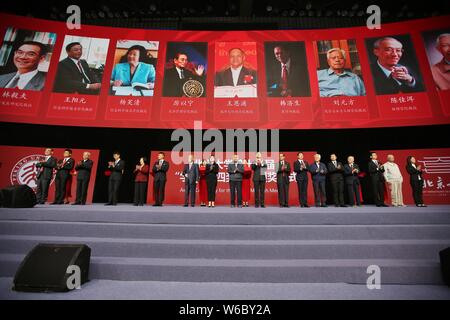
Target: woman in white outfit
394	180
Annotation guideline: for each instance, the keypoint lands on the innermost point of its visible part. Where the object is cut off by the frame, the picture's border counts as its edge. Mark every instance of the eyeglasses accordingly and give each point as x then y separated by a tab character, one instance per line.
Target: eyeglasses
28	54
392	50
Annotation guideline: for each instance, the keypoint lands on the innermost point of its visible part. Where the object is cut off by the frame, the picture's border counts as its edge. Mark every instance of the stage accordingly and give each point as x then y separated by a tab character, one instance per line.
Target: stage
173	252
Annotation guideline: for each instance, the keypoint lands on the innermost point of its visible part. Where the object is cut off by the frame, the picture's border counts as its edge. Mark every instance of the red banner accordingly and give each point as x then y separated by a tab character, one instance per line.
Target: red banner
226	79
18	166
436	173
174	192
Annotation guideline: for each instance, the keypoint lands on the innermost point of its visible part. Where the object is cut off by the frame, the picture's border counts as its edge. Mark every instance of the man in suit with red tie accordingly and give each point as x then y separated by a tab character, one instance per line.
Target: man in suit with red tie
45	175
191	175
160	168
301	168
83	169
319	172
283	173
117	168
63	168
74	75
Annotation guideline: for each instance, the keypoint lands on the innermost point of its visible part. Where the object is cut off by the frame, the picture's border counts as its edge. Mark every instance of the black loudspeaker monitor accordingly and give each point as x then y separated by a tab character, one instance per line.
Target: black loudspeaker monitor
18	196
44	268
444	256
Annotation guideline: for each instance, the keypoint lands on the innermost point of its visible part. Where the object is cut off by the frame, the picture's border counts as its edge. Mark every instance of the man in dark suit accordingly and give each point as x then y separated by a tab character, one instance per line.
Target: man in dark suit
318	172
44	175
259	168
83	169
390	77
191	175
27	57
235	171
335	172
283	169
236	74
351	171
160	168
117	168
287	77
301	168
73	74
63	169
376	170
175	77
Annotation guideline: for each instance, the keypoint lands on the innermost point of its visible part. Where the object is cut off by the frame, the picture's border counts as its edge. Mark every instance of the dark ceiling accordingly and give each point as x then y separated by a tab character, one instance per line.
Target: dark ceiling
229	14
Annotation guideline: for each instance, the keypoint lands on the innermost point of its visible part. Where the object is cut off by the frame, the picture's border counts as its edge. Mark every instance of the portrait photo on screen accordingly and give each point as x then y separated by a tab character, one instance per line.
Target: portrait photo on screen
134	70
286	69
81	65
394	65
235	70
185	69
338	68
25	58
437	45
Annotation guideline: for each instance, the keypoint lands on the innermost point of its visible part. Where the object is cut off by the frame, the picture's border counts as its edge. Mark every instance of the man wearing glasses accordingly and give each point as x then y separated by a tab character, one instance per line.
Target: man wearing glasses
26	59
390	77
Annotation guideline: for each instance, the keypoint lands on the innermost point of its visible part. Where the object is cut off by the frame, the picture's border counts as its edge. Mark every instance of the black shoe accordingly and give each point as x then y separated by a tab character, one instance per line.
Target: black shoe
384	205
343	206
135	204
324	206
192	205
256	205
54	203
76	203
305	206
263	206
185	205
108	204
286	206
83	203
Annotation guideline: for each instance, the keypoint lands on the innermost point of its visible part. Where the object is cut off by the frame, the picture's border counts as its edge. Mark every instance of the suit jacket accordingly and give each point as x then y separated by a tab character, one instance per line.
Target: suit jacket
143	73
235	176
384	85
117	170
160	173
64	171
193	175
298	80
414	174
350	177
283	174
375	172
212	169
69	79
36	83
225	78
173	85
301	173
46	168
318	176
334	173
84	169
259	171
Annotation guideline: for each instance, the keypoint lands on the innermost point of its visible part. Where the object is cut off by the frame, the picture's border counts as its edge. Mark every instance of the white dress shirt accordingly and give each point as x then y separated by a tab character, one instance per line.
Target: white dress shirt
235	73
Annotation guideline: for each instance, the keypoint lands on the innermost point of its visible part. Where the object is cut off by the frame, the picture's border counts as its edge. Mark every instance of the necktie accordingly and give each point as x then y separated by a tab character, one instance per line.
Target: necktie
86	79
284	76
14	82
64	162
334	162
181	73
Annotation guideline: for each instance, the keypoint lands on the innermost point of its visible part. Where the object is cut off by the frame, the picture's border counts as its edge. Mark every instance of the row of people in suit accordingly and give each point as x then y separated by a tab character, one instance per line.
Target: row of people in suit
343	178
63	168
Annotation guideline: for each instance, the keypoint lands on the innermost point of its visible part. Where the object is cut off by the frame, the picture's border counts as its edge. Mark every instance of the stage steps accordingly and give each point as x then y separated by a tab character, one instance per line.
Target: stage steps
318	245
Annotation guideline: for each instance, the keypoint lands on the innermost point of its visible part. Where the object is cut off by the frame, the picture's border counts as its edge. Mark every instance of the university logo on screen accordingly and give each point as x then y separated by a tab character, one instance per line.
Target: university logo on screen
25	171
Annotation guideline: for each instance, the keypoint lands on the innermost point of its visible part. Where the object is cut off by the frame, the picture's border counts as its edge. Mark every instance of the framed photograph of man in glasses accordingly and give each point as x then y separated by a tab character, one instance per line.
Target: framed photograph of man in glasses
394	66
25	58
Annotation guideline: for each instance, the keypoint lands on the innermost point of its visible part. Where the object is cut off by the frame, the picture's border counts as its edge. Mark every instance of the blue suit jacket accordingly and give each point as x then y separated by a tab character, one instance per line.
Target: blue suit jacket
317	176
144	73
